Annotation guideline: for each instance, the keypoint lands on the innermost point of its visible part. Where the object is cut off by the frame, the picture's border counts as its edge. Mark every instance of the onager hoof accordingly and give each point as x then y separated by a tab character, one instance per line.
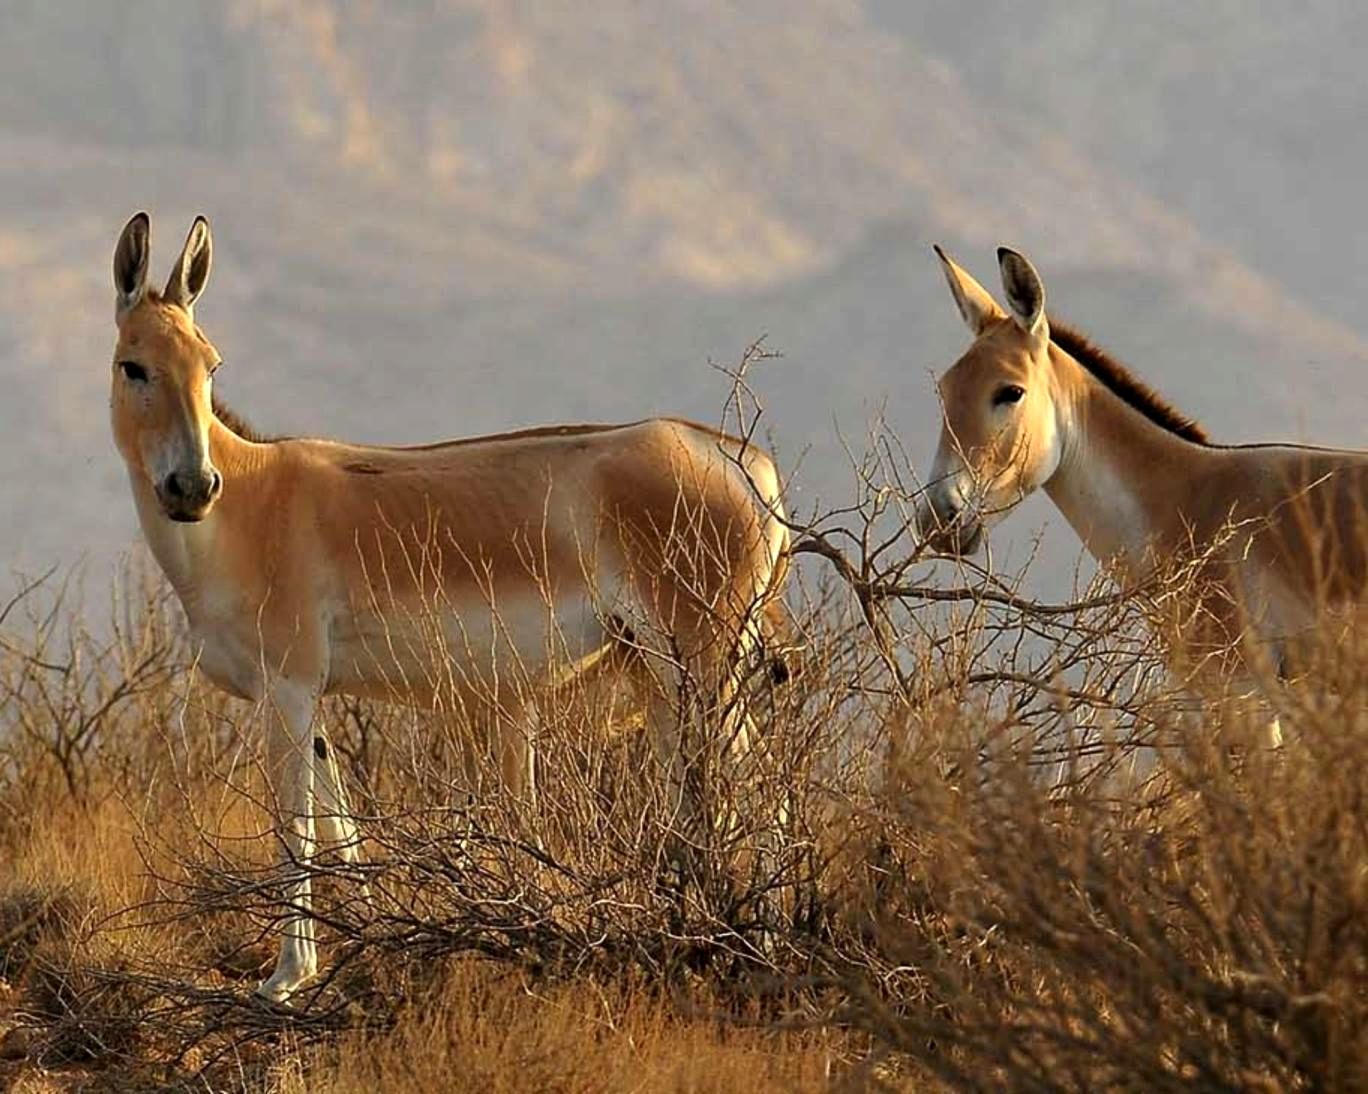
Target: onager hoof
284	982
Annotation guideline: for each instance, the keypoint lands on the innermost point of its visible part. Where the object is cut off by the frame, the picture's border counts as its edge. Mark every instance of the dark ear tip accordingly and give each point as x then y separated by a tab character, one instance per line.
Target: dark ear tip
940	251
1006	253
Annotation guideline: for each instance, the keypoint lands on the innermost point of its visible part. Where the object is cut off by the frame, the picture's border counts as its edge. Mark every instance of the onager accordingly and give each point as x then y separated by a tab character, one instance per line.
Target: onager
1278	532
312	567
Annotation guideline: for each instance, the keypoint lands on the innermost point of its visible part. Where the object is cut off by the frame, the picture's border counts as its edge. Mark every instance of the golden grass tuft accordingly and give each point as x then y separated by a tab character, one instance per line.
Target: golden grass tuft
486	1029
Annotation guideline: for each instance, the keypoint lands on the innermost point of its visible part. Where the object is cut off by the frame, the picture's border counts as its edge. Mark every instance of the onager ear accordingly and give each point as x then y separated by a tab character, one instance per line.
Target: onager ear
1025	292
191	272
130	264
979	309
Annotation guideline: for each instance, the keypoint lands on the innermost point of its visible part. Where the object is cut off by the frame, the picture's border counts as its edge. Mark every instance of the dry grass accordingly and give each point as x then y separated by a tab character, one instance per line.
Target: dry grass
1010	857
488	1030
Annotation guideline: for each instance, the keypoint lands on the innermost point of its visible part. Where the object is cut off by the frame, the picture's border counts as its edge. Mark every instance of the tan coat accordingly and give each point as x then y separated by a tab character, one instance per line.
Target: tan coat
472	572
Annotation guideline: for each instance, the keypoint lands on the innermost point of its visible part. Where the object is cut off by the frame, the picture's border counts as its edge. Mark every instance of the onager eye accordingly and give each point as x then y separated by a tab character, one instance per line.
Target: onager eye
1008	394
134	371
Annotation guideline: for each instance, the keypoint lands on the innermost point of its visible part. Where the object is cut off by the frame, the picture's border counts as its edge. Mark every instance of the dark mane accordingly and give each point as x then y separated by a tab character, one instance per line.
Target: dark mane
1123	383
237	425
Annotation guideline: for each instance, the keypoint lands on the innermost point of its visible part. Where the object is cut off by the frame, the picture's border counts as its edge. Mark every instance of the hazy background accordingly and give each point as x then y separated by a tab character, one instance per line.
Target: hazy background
446	217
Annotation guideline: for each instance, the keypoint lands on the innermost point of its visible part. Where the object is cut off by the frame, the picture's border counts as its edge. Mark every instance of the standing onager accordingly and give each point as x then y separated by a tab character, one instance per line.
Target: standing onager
1280	532
311	567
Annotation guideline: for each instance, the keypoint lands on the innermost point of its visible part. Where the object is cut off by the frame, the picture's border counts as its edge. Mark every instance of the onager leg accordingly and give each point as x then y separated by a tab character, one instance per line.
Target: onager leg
290	761
671	708
335	825
750	758
513	743
498	753
697	719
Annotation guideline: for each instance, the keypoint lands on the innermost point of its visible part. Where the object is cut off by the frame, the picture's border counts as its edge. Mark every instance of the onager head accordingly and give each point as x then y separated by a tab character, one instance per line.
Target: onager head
160	404
1000	438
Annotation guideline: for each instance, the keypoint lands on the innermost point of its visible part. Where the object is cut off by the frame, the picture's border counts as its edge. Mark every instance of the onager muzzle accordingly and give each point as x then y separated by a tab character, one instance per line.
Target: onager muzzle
187	496
946	523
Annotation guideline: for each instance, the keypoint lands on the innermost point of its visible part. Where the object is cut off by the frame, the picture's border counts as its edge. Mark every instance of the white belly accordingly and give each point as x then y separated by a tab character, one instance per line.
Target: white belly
415	654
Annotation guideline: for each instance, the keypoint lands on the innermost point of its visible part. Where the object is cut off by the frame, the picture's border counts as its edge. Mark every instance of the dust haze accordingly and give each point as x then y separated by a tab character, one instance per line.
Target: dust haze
445	218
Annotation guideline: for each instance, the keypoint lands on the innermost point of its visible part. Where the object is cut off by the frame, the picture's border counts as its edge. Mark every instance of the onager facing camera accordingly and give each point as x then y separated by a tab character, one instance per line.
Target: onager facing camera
312	567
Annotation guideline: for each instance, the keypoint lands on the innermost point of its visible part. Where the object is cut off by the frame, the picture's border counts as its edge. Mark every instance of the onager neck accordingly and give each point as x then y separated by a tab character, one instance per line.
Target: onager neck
1122	480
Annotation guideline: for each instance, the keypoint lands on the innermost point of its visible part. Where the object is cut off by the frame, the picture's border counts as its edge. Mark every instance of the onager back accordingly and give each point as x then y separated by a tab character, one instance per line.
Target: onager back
473	569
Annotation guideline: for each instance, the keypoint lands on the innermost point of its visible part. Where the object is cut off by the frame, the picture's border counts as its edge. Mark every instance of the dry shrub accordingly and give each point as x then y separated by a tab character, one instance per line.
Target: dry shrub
984	843
1204	930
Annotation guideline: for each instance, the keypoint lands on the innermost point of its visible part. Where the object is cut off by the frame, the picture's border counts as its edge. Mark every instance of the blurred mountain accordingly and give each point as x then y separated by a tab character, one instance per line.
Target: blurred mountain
1246	114
440	218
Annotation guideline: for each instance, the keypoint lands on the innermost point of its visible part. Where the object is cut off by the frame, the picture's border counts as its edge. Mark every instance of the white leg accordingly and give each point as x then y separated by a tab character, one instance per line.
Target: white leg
738	739
290	766
751	762
513	728
674	714
1275	733
499	758
666	723
336	827
531	724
